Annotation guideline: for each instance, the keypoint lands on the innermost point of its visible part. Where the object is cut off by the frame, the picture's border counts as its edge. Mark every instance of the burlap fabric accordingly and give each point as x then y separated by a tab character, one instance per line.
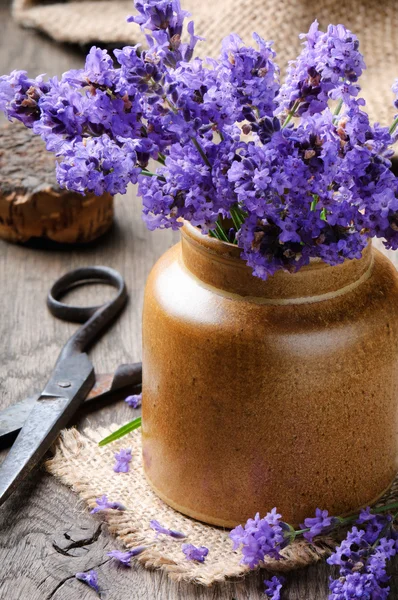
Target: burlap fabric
376	24
81	464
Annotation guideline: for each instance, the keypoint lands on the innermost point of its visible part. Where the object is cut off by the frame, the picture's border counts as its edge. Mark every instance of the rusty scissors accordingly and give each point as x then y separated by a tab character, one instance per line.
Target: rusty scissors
40	418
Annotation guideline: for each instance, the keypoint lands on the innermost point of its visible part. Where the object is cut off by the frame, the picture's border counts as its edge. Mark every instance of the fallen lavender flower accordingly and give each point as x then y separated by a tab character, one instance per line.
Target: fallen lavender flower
125	557
123	459
90	578
103	504
273	588
156	526
134	401
194	553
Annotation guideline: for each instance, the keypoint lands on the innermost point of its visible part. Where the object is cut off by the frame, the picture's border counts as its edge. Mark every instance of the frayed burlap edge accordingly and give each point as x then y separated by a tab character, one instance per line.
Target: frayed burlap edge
88	469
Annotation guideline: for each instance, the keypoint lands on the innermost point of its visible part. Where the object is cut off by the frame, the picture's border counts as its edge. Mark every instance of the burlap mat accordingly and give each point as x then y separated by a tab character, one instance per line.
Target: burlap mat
375	23
81	464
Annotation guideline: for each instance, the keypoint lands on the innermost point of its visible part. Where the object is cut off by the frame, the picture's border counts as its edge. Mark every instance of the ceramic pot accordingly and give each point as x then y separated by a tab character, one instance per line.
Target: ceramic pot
268	393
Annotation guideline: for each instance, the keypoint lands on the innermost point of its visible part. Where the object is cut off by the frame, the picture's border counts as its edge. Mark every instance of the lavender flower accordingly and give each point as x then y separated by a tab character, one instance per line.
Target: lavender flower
165	19
194	553
156	526
362	558
395	92
123	459
251	76
318	525
91	579
328	67
134	401
261	537
103	504
273	588
125	557
20	95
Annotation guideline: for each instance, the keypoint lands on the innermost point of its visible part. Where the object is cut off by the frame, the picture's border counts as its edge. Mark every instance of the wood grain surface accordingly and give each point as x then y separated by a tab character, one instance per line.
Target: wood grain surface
46	535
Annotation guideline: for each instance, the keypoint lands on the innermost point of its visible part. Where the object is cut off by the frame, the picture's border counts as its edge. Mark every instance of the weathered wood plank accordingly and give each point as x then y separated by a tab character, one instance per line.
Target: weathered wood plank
46	536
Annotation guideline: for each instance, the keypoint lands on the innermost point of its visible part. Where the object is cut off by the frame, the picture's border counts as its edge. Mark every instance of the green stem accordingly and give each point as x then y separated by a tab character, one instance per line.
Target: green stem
235	219
150	174
291	114
394	126
338	107
128	428
221	233
385	508
201	151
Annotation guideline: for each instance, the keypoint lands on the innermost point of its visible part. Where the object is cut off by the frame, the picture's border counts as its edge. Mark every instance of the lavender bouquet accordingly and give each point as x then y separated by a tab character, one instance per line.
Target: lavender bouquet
285	171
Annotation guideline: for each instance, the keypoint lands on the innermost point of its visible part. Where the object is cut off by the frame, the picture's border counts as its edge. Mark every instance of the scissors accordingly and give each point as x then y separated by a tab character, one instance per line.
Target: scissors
40	418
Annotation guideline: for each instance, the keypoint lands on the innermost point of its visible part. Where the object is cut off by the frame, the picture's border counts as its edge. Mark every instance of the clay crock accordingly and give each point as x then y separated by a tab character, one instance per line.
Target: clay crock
268	393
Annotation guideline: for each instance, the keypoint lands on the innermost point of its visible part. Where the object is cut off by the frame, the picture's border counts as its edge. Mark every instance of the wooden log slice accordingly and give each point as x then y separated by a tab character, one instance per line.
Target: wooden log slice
31	202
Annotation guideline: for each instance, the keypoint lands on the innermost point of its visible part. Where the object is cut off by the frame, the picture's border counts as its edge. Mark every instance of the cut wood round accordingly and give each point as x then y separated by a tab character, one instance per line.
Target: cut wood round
31	202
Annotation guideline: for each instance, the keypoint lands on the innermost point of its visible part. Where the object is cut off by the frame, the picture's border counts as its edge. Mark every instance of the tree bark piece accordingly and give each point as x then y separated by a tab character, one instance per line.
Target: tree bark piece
31	202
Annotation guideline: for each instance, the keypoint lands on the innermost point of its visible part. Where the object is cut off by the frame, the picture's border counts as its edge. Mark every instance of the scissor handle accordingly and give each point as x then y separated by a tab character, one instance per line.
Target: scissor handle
95	318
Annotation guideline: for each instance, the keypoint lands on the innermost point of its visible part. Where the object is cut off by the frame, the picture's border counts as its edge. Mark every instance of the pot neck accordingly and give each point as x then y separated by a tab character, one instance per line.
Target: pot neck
219	265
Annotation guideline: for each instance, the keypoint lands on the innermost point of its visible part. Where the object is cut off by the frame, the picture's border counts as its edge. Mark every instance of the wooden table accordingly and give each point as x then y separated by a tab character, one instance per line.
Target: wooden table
46	535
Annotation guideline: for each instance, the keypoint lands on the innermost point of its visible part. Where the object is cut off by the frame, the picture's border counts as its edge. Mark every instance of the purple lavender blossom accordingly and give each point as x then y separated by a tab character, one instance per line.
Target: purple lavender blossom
104	504
261	537
98	165
125	557
251	76
328	67
395	92
374	524
134	401
273	588
321	524
194	553
164	19
156	526
91	579
123	459
20	96
362	558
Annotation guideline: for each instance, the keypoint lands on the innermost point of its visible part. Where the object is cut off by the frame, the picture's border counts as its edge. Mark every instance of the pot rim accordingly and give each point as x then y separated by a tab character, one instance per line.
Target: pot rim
219	265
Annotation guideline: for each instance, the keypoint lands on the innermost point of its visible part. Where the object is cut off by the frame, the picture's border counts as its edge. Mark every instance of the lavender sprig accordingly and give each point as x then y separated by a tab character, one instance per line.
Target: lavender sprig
362	556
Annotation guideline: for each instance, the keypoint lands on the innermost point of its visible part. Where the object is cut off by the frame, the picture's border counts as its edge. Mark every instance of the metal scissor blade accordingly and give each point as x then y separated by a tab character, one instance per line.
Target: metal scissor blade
13	418
70	383
106	387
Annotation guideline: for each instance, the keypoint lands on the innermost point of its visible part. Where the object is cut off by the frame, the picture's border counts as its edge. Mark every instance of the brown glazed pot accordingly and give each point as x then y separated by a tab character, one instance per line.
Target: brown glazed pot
268	393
